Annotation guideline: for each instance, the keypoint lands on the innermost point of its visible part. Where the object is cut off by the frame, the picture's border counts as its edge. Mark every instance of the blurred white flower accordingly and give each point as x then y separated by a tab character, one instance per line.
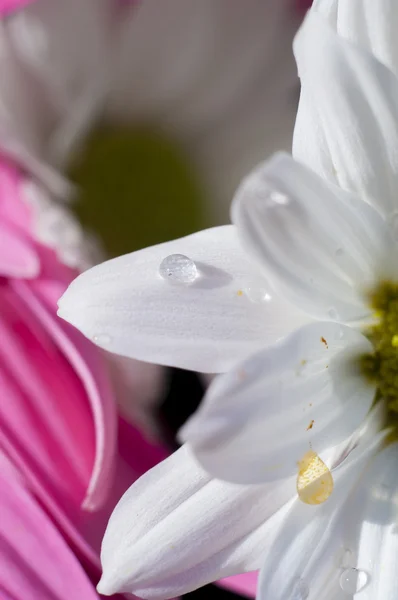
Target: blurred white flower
217	76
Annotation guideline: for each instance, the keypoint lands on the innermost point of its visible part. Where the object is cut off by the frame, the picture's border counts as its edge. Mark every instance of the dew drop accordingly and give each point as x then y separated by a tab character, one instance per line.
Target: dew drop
332	312
300	590
314	479
353	580
102	339
257	294
178	268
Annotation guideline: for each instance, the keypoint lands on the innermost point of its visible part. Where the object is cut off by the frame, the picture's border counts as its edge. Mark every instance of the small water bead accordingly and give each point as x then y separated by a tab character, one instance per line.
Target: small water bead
353	580
300	590
178	268
257	294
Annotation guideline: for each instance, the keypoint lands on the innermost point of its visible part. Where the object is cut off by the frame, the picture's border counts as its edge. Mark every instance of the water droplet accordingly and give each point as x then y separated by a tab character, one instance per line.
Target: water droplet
178	268
339	252
300	590
314	479
257	294
279	198
333	314
102	339
353	580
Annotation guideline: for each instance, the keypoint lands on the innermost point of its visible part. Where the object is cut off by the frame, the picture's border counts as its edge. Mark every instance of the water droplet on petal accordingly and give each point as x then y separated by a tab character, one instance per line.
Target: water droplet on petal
314	480
178	268
102	339
300	590
257	294
353	580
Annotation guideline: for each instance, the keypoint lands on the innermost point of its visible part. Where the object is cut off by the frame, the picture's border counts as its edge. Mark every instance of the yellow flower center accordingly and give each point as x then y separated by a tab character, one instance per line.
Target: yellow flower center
381	365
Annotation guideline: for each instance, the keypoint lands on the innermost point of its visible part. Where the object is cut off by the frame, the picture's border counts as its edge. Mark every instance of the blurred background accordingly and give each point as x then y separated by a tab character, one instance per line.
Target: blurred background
122	124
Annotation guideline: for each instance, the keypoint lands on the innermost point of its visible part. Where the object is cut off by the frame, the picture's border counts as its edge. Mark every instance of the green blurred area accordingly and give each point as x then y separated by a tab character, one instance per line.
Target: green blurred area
136	189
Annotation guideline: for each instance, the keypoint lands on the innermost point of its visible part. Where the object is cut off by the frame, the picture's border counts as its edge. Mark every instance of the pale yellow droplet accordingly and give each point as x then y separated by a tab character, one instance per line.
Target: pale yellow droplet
314	480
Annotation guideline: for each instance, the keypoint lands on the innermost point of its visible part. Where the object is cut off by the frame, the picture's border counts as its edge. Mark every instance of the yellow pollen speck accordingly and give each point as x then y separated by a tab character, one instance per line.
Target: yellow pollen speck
314	480
239	293
394	341
311	425
324	342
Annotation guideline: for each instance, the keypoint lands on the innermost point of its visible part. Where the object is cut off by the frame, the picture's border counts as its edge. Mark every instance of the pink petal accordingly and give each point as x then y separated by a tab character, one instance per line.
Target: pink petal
245	584
17	255
13	209
90	368
35	562
47	416
9	6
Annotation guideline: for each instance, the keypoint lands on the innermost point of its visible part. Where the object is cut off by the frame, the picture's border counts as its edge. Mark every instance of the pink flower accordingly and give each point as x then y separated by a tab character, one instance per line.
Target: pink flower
9	6
61	467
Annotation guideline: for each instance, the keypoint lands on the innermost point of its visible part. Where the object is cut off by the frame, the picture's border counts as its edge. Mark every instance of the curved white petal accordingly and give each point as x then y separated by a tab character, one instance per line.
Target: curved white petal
125	306
370	24
321	247
347	122
258	421
177	529
309	555
370	527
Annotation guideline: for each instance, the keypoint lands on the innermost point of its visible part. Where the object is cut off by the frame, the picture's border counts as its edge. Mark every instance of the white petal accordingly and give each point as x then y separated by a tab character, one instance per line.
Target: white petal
320	247
308	553
370	527
258	421
125	306
177	529
370	24
347	123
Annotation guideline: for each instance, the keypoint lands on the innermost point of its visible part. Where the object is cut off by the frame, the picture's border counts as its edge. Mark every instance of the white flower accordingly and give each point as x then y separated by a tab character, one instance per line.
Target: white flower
217	76
324	247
